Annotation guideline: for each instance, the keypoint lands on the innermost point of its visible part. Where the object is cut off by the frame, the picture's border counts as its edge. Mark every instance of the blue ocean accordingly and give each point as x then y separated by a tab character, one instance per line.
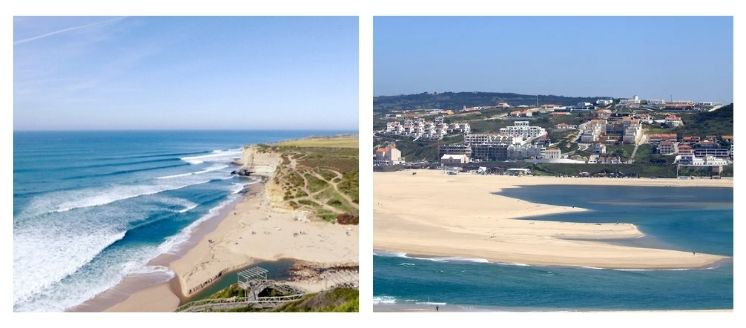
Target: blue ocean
92	207
689	219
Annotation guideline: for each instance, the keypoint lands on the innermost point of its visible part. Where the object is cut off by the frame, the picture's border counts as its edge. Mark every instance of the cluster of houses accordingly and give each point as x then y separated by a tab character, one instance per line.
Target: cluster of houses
693	150
622	129
522	141
600	156
517	142
420	128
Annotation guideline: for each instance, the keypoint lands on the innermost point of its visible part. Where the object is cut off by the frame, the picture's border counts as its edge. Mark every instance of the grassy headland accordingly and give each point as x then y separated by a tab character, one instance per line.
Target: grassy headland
320	175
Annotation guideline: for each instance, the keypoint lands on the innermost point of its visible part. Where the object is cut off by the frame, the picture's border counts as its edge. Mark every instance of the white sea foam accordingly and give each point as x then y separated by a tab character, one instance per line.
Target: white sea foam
118	193
50	251
64	201
171	202
384	300
653	269
236	188
215	156
154	269
389	254
433	259
453	259
207	170
59	258
513	264
43	256
61	296
188	208
172	244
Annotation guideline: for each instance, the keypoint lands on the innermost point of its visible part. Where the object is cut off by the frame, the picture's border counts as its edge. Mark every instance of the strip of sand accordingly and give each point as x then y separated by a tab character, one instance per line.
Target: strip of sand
257	231
434	214
154	299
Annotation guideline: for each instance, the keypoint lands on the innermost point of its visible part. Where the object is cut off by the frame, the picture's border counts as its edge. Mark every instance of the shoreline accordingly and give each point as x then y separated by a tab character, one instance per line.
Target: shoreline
150	283
446	259
250	229
480	224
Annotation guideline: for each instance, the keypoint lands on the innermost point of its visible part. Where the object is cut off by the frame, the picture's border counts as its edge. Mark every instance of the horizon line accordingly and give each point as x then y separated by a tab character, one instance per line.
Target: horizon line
184	129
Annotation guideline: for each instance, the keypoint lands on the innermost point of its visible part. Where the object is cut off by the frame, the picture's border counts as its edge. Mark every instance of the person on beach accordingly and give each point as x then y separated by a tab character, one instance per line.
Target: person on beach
437	309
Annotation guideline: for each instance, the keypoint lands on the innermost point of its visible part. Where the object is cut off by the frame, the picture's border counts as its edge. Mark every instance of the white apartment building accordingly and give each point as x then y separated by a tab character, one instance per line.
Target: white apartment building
592	130
552	153
632	134
523	129
668	147
419	128
491	139
388	155
691	160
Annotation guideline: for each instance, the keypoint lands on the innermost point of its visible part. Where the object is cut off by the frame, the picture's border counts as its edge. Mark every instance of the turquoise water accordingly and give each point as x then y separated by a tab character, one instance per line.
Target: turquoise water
690	219
92	207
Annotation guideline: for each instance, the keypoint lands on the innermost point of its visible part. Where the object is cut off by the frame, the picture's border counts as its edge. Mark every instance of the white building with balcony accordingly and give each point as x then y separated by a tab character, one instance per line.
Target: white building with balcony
523	129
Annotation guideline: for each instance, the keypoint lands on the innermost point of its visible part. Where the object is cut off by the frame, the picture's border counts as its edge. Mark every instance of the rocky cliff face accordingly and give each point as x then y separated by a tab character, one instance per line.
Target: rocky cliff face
259	161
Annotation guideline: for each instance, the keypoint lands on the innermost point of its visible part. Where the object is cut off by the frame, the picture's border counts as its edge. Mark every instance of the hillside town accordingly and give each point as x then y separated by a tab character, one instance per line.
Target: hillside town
623	131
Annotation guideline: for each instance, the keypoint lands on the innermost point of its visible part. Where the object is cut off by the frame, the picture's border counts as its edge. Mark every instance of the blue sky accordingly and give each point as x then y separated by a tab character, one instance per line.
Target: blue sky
81	73
653	57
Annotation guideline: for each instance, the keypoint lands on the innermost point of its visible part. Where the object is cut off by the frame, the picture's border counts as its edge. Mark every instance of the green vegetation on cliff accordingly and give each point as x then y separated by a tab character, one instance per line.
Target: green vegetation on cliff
335	300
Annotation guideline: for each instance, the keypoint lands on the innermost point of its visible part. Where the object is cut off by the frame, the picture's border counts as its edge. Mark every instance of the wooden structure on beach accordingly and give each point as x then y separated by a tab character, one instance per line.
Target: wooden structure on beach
253	281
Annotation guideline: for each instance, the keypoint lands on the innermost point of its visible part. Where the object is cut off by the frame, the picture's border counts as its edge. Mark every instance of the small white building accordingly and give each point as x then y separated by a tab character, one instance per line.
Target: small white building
388	155
604	102
691	160
552	153
673	121
451	159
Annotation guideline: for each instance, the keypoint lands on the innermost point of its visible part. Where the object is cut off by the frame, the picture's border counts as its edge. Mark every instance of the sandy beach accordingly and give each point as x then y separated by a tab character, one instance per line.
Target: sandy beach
434	214
255	228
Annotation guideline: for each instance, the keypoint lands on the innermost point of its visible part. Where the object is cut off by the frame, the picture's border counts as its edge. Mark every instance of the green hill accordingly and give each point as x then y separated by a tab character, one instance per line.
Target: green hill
702	124
457	100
